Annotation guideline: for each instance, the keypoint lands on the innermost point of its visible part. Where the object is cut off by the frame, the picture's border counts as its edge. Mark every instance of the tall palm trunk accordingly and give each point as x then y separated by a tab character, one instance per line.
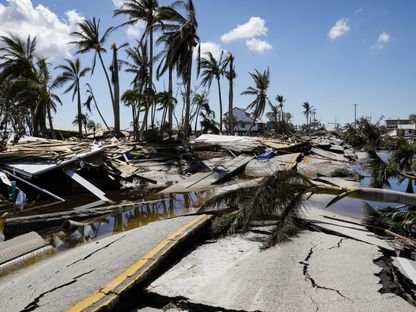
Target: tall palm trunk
79	111
162	123
188	97
133	114
144	124
170	118
196	118
153	104
48	110
230	99
107	78
220	98
116	101
137	123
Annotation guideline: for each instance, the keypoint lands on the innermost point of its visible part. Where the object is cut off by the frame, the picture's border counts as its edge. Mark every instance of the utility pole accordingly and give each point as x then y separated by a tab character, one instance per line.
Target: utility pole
355	115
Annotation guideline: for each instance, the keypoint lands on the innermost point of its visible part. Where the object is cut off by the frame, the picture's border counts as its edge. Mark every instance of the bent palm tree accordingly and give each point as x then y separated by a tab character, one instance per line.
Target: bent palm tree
261	81
72	73
212	69
90	40
91	98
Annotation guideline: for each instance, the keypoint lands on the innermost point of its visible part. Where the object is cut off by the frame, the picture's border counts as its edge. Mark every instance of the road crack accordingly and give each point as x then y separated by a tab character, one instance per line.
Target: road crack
35	303
95	251
308	277
338	245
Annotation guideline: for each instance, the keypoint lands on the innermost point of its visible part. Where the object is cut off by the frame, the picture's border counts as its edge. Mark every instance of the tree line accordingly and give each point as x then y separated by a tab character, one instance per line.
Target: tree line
29	93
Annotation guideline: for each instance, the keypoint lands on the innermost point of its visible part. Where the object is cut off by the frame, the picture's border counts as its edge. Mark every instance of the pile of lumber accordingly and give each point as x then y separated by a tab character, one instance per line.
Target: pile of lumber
43	149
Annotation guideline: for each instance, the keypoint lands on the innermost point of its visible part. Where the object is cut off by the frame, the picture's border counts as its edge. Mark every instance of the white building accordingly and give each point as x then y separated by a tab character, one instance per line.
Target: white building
243	121
401	127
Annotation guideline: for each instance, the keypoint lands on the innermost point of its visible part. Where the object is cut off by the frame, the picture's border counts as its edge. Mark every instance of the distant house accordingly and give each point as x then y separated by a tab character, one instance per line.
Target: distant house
401	127
243	121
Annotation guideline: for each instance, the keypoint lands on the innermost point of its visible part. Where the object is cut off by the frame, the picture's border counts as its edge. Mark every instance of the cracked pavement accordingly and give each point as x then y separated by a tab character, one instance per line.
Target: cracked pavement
312	272
63	280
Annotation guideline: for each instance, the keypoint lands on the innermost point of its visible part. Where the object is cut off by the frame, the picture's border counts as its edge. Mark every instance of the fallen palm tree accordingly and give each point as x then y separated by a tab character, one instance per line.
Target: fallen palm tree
278	200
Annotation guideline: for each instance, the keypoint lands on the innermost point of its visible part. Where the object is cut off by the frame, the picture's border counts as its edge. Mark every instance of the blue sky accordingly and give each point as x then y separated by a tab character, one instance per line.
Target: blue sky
368	58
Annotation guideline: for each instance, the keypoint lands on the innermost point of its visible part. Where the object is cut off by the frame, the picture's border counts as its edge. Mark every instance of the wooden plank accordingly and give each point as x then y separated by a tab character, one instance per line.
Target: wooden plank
89	186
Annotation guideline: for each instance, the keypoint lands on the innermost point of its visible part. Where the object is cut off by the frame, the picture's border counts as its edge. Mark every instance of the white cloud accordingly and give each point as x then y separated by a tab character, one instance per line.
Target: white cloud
339	29
256	26
360	10
212	47
383	38
136	30
118	3
259	46
52	33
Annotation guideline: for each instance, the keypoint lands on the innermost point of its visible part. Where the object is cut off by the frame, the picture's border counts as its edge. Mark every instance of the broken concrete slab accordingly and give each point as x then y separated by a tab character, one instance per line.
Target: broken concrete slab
407	267
317	152
313	167
20	246
318	218
314	271
266	167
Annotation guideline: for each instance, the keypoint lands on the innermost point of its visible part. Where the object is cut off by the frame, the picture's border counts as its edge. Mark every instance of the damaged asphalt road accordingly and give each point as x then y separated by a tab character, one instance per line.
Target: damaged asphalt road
63	280
312	272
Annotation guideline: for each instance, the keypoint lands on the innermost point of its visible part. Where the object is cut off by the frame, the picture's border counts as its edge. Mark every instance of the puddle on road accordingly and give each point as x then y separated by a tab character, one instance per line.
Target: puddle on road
155	207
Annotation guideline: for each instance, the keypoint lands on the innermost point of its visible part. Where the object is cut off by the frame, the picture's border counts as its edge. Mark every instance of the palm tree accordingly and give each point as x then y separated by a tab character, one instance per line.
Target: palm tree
72	72
139	67
281	100
83	120
89	39
36	92
307	110
166	101
201	102
230	75
17	56
212	69
17	61
262	82
91	98
147	11
131	97
183	39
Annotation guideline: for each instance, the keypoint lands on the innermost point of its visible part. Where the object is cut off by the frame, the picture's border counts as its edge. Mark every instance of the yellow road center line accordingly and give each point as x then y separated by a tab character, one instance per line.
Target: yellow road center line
148	257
